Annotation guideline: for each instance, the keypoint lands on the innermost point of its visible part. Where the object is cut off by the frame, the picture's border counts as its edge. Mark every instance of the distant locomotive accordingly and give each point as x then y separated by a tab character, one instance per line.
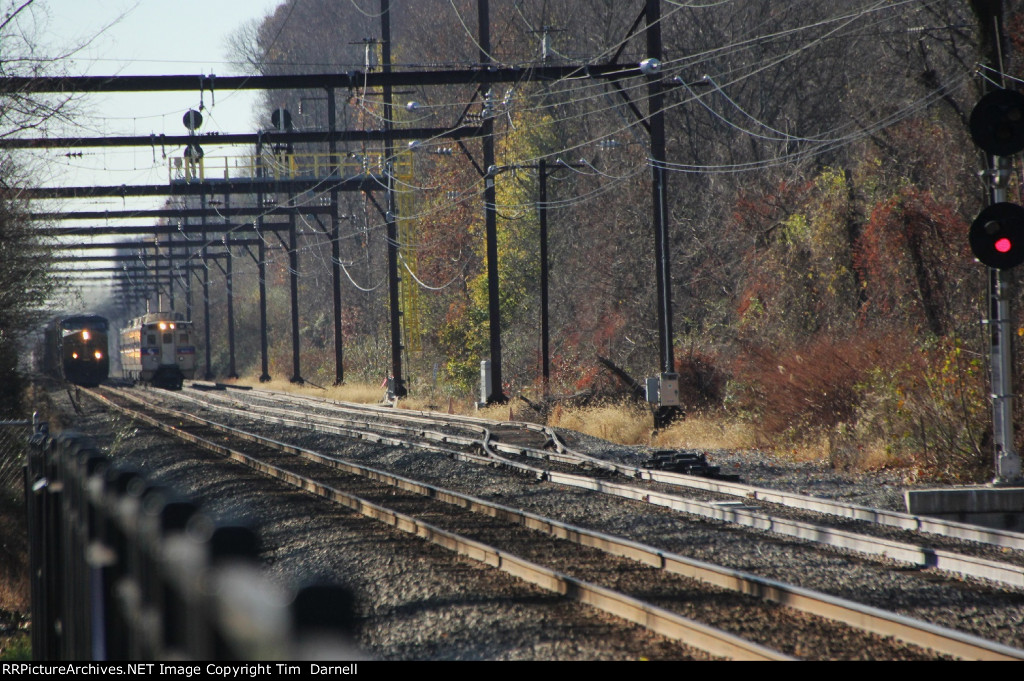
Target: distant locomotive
79	349
157	348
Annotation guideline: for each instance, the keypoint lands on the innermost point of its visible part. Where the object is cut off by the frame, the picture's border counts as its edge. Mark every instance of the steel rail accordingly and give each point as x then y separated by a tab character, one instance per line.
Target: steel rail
896	519
731	512
483	426
862	617
346	427
658	620
739	514
1004	539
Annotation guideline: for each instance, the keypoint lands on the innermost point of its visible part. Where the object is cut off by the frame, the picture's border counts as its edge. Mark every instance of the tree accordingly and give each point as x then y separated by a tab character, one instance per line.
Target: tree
815	175
25	279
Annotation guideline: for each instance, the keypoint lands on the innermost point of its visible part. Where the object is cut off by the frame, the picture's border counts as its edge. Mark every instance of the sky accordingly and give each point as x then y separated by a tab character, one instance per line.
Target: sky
144	37
136	37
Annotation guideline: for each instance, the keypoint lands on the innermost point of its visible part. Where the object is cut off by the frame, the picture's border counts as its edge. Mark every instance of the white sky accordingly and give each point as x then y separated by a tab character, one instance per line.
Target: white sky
145	37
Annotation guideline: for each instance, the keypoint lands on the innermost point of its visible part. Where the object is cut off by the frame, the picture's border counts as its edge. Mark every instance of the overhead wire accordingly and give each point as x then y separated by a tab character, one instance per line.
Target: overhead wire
847	17
684	168
984	68
917	106
366	14
422	283
282	27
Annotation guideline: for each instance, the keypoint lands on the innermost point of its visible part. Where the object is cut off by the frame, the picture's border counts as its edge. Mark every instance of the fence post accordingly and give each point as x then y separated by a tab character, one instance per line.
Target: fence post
124	569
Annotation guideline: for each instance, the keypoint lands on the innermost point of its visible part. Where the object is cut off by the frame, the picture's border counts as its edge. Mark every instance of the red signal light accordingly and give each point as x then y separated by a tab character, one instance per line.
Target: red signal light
995	233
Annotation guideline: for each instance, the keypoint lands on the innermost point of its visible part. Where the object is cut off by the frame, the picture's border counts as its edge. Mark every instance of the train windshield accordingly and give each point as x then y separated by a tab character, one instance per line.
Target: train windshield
79	323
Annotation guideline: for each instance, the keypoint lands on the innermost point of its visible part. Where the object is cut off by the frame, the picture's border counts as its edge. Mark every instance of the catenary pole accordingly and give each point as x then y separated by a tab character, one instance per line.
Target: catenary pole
332	147
656	117
497	394
397	383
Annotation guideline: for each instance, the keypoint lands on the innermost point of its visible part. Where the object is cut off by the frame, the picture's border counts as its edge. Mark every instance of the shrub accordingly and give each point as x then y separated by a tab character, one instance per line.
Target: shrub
801	390
873	401
702	382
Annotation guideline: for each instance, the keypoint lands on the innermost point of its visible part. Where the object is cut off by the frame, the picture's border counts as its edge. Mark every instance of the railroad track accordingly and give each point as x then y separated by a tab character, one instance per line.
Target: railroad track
956	548
514	532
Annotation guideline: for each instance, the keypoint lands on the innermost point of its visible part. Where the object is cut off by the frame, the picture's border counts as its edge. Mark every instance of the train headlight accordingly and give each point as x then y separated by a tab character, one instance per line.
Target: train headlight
85	335
172	326
74	355
163	326
98	354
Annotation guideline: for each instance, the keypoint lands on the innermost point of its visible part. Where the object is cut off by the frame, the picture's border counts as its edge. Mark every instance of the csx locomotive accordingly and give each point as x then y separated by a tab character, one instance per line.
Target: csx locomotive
157	348
79	349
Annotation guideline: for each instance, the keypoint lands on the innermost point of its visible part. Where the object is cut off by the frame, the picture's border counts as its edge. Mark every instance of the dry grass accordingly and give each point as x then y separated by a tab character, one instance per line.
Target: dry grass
495	412
628	424
846	451
621	423
708	432
358	392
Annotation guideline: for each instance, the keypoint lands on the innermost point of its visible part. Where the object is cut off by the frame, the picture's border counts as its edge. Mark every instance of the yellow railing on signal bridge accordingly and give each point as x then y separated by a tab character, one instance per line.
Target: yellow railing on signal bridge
322	166
279	166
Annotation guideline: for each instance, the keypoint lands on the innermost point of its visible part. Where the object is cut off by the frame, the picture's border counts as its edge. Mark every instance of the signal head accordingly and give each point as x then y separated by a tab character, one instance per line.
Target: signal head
997	123
997	236
192	120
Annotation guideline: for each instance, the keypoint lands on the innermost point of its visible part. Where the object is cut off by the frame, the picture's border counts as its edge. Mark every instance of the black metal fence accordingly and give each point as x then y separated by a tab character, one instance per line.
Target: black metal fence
123	569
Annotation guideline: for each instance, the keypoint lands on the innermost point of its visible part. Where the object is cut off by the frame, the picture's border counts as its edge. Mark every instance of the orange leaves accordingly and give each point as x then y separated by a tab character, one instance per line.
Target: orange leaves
912	256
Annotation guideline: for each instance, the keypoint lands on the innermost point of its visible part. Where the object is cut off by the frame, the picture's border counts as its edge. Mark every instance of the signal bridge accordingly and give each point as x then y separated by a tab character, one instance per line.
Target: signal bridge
284	166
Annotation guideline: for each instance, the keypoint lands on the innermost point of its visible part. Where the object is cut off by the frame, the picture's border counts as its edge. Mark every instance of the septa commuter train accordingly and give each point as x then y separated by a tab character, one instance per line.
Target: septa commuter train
157	348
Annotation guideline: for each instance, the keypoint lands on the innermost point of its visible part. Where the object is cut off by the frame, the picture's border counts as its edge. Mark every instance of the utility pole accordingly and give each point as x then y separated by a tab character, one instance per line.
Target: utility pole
542	212
189	303
397	383
261	265
545	332
668	401
335	172
543	171
229	281
206	296
293	278
497	395
170	273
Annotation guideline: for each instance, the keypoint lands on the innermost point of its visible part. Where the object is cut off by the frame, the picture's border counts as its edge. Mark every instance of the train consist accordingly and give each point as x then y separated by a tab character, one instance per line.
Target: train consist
75	349
157	348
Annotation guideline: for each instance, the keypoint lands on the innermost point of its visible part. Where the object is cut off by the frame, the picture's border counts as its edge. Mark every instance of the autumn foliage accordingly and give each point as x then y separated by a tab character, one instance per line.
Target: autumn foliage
820	186
913	258
859	321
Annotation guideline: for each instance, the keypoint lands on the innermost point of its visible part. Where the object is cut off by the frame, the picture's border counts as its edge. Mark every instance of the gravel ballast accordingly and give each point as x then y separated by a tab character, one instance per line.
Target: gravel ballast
389	586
